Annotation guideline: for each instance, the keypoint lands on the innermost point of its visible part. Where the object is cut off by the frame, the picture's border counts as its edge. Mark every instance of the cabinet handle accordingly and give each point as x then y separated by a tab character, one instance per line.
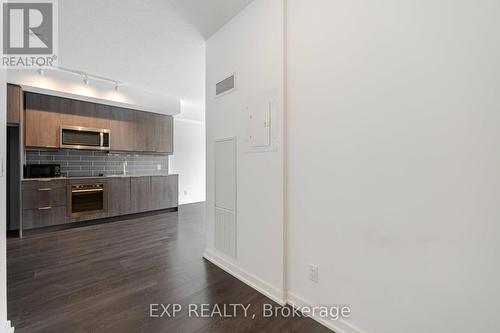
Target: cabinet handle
45	189
45	208
88	191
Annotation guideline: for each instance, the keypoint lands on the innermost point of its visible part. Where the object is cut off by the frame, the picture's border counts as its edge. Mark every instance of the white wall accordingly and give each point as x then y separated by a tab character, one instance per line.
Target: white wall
189	160
393	165
252	46
4	324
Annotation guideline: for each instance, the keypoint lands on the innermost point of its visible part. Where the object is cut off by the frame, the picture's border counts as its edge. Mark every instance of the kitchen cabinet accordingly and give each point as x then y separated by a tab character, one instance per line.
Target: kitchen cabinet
154	193
44	197
43	217
14	104
119	196
141	132
164	192
42	124
123	129
43	203
153	133
85	114
164	133
140	194
131	130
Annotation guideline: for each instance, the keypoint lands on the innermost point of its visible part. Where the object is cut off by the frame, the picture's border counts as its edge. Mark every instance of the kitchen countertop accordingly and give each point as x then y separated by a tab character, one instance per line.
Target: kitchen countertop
93	177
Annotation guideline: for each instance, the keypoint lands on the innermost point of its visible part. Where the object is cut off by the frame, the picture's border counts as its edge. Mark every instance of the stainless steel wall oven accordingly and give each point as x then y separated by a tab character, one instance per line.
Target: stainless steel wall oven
86	199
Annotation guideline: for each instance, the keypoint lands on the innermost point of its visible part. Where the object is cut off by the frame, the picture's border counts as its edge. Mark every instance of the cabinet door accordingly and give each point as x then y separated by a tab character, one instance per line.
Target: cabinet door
172	191
123	129
119	196
42	124
42	198
141	132
164	192
44	217
14	105
164	133
140	188
86	114
158	194
145	132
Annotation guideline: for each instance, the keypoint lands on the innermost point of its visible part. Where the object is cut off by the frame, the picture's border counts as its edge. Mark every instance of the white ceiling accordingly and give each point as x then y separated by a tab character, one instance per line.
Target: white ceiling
208	16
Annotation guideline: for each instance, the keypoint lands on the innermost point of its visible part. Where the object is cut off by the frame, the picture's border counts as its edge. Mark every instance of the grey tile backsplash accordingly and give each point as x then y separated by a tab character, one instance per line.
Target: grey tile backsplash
79	163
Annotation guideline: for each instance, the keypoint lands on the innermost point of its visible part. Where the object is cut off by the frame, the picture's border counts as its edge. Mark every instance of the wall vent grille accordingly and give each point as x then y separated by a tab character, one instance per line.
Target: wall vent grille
225	86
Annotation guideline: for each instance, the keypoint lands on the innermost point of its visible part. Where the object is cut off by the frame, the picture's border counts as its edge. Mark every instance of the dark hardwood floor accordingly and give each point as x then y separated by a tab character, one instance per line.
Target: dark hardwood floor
103	278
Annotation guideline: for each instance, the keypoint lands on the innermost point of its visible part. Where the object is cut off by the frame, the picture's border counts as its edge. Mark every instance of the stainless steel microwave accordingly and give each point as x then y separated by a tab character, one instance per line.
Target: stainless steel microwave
75	137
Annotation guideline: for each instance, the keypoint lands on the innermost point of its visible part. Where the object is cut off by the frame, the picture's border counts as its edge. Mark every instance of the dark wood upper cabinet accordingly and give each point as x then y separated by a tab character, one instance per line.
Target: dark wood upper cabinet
85	114
153	133
164	134
131	130
142	132
168	131
123	129
42	123
14	104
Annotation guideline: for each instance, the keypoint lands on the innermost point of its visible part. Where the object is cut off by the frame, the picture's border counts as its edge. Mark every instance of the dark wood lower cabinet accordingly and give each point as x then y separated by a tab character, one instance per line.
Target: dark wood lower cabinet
119	192
154	193
164	192
44	203
43	217
44	197
140	194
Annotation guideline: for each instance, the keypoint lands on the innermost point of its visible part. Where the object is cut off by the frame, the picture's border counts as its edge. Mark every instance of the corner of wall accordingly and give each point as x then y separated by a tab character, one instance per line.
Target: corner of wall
274	293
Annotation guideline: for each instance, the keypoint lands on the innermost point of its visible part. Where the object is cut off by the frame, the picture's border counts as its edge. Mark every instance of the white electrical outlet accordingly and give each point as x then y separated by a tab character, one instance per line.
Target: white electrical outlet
313	273
158	166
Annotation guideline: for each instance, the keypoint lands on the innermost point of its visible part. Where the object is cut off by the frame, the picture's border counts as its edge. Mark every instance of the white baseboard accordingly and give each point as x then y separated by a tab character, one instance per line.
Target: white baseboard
7	328
277	295
256	283
338	326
